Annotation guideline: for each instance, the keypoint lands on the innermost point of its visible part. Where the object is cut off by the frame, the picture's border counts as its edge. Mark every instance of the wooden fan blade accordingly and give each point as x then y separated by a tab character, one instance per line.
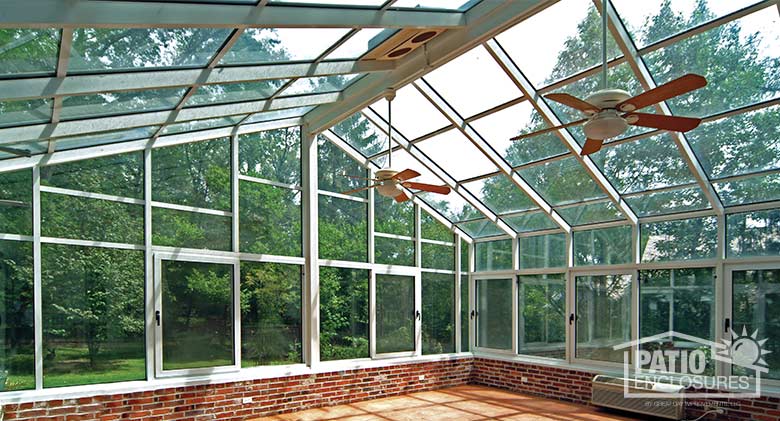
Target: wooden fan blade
574	102
591	146
406	174
550	129
663	122
360	189
402	198
679	86
427	187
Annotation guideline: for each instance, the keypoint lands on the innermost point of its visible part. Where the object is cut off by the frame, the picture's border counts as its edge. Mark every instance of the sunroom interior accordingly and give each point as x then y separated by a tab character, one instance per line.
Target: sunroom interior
188	205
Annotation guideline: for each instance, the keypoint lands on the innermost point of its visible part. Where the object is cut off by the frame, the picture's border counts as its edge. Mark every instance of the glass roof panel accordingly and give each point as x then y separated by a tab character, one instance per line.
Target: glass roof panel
452	206
499	127
359	132
457	155
99	49
646	164
562	181
112	103
740	144
500	195
669	201
739	59
362	42
473	83
660	19
549	46
413	115
481	228
591	213
760	188
278	114
403	160
196	125
460	5
376	3
269	45
34	148
317	85
27	52
84	141
17	113
235	92
530	221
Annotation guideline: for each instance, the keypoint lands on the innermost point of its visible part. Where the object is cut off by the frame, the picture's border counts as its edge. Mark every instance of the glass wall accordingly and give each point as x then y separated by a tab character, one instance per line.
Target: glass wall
603	316
541	324
493	313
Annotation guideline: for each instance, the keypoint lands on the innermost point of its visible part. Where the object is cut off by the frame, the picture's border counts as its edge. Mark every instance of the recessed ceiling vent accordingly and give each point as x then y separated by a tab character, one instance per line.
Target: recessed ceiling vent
402	43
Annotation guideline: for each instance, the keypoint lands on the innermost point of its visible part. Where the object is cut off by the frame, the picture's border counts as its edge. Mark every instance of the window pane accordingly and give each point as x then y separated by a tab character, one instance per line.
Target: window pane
343	313
317	85
204	124
753	233
530	221
104	138
562	181
177	228
542	322
494	313
480	228
268	45
603	316
96	49
668	201
234	92
591	213
91	219
193	174
93	315
413	114
604	246
456	155
395	314
493	255
28	52
437	256
464	313
343	231
272	155
688	239
543	251
16	202
452	206
270	314
270	219
334	167
17	360
433	229
759	188
197	315
363	135
392	251
500	194
438	313
112	103
116	175
756	306
681	300
464	256
18	113
393	218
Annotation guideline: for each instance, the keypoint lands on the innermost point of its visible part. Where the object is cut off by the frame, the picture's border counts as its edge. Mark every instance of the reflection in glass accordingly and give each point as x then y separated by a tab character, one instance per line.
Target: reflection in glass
395	314
494	313
197	315
603	316
438	313
756	306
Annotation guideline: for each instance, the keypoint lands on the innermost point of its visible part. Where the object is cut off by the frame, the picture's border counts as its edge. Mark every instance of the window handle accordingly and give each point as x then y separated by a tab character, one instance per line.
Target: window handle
417	314
474	313
727	325
157	317
571	318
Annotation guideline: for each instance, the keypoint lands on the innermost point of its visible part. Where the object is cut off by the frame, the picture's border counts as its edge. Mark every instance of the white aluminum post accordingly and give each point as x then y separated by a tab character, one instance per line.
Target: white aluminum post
149	279
311	290
37	290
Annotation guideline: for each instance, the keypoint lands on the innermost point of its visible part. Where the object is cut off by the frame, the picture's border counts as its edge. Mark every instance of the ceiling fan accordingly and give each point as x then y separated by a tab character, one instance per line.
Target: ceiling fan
388	182
609	112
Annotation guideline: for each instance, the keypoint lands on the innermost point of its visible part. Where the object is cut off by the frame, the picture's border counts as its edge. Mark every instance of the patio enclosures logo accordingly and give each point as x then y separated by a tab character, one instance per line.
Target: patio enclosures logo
692	365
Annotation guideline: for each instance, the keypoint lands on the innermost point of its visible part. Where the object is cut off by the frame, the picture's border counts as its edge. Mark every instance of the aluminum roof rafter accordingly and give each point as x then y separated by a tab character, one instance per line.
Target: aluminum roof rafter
627	46
549	116
432	166
120	14
439	103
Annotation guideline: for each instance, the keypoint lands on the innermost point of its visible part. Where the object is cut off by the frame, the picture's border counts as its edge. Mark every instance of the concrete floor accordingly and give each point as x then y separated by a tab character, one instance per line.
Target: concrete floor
454	404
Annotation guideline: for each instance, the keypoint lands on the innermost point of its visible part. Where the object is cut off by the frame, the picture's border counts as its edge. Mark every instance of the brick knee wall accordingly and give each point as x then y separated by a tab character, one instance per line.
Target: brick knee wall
270	396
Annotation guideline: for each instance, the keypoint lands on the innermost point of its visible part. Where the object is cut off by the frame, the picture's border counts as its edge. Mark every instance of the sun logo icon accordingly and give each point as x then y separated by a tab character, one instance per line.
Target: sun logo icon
746	350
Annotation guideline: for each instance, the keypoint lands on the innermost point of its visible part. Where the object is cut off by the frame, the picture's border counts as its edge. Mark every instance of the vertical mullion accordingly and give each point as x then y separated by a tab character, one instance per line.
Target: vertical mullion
234	185
149	279
458	303
370	223
417	236
311	293
418	310
37	290
471	299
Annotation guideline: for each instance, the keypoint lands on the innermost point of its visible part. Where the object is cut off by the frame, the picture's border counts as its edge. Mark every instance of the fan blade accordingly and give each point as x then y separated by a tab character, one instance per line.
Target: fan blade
360	189
573	102
406	174
679	86
663	122
402	198
550	129
591	146
427	187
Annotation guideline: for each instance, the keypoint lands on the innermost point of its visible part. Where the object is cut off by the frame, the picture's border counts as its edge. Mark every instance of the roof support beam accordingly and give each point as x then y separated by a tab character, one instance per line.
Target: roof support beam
119	14
549	116
486	19
417	154
474	137
34	88
627	46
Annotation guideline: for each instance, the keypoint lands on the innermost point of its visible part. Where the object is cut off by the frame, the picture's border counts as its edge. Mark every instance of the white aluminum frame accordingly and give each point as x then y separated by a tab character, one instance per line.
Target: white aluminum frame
399	271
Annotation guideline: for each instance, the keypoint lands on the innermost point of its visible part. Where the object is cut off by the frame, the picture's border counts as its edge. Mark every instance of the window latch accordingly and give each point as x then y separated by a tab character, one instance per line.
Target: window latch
417	314
474	313
727	325
157	317
571	318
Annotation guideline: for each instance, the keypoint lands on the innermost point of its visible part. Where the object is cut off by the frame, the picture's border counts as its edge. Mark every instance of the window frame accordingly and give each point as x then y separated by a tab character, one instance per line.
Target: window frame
474	313
413	272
